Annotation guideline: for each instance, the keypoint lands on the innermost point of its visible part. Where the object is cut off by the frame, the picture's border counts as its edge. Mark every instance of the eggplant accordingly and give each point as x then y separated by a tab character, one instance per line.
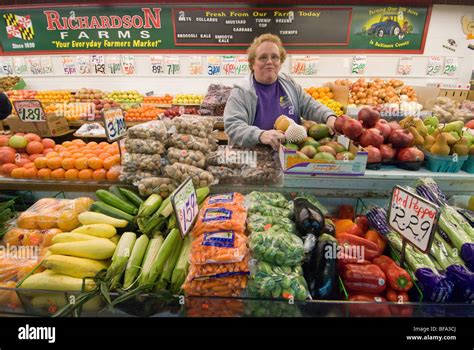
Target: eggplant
320	270
308	218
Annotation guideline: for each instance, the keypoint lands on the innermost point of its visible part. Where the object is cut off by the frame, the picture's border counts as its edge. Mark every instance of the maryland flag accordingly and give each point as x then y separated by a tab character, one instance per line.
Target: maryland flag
19	26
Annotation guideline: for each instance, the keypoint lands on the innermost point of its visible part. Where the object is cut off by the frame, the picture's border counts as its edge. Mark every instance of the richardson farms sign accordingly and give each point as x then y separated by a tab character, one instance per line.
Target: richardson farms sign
204	28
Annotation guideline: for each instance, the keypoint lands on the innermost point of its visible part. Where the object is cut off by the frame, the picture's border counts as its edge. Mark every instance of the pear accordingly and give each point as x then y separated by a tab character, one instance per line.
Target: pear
450	139
461	147
421	127
454	126
417	138
440	147
431	121
429	141
471	150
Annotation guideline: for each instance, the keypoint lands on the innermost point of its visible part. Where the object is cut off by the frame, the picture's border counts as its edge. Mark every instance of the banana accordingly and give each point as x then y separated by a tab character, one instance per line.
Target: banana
74	267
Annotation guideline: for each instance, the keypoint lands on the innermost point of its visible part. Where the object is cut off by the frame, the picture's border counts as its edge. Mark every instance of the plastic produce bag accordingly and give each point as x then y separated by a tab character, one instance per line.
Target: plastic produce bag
16	268
134	177
269	210
274	199
259	223
217	286
163	186
180	172
219	247
232	198
155	129
267	281
190	142
200	127
24	237
224	218
145	146
138	161
213	270
194	158
277	247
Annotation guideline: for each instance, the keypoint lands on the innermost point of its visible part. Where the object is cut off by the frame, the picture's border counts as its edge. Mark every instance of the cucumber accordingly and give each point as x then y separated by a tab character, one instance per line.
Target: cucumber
114	201
106	209
115	190
131	196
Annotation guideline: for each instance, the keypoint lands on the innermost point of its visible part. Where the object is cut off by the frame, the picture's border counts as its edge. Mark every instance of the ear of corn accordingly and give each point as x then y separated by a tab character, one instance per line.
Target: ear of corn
71	237
97	249
182	265
73	266
170	263
151	254
135	261
97	230
120	257
165	253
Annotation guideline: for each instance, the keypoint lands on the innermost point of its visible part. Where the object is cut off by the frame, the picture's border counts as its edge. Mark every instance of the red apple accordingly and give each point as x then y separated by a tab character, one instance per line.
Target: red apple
374	154
352	128
394	126
368	117
388	152
401	138
340	122
410	154
372	137
470	124
383	126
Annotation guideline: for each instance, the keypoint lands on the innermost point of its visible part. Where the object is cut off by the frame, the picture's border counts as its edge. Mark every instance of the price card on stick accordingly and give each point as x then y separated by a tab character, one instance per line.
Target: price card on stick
185	205
414	218
114	123
29	110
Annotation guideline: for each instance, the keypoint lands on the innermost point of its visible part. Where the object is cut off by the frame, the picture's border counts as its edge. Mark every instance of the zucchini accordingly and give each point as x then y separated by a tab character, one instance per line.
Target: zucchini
106	209
114	201
131	196
115	190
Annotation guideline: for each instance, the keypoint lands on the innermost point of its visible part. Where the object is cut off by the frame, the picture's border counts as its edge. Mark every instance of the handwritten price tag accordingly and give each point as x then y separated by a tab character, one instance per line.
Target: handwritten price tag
29	110
114	123
450	66
434	65
184	201
358	64
413	217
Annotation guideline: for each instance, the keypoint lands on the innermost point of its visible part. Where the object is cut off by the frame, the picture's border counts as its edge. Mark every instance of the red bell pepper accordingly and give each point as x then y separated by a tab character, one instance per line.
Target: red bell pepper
363	223
368	249
377	238
396	297
375	305
363	278
397	278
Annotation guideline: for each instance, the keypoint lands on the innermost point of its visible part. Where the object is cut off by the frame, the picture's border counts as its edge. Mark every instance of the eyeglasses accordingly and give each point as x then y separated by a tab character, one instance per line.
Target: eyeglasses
264	59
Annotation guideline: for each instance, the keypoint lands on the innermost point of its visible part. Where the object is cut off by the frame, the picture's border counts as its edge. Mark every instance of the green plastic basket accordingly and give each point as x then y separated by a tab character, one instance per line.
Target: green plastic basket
444	164
468	165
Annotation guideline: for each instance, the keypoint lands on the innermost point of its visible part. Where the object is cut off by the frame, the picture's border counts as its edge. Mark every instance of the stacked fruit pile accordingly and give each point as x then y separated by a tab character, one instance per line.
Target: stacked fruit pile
325	96
143	114
54	96
166	99
29	156
131	96
14	95
88	95
187	99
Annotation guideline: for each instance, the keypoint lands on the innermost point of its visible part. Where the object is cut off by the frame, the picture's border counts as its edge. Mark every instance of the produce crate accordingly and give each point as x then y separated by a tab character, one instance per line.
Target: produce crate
444	164
454	94
468	165
292	164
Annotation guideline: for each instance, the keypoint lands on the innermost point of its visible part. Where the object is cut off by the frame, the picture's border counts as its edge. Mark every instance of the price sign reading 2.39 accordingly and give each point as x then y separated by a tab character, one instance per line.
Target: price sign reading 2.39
185	206
413	217
29	110
114	123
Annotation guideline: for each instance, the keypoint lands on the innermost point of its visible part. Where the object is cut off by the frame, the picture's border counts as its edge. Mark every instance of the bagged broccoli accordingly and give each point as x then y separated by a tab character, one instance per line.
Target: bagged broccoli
268	210
274	199
277	247
258	223
267	281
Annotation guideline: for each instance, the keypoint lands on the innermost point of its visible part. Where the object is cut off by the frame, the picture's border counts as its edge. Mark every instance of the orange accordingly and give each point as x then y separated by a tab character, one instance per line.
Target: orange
109	162
58	174
31	173
95	163
64	155
104	144
71	174
67	144
99	174
113	174
89	155
52	154
97	152
77	155
78	142
68	163
29	165
85	174
44	174
56	148
92	144
54	163
81	163
18	173
60	149
41	162
104	155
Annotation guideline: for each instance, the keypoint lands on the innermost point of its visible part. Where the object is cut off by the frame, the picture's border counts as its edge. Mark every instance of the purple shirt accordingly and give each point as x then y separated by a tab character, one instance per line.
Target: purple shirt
272	102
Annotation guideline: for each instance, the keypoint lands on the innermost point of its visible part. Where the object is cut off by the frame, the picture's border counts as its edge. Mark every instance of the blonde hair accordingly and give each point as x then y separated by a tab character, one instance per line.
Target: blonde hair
252	50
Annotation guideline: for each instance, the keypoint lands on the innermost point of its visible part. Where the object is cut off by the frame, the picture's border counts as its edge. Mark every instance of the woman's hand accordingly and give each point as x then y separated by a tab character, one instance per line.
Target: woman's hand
330	123
273	138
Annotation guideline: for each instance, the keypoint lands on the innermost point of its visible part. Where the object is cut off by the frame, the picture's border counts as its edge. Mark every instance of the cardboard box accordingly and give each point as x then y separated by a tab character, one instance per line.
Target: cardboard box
454	94
292	164
340	93
470	97
53	126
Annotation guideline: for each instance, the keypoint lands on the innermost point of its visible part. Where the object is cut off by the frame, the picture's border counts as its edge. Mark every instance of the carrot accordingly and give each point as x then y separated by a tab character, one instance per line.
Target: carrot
219	247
